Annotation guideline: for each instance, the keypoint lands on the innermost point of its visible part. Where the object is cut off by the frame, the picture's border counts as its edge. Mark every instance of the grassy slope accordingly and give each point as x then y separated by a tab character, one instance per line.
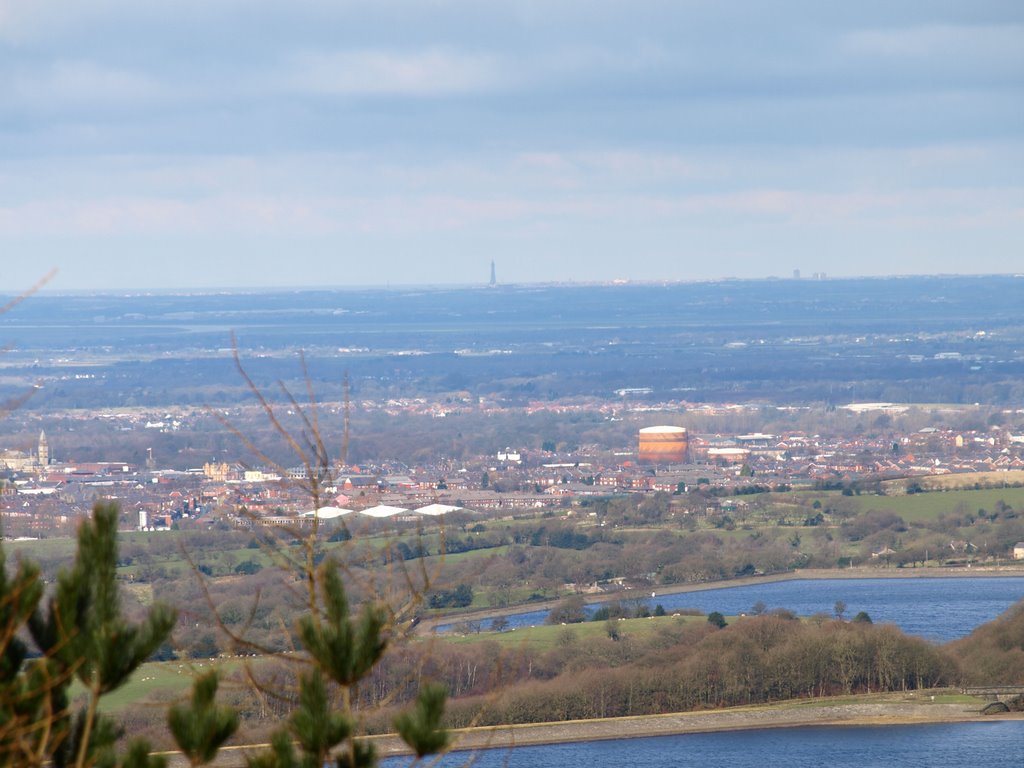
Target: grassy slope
927	506
158	681
547	636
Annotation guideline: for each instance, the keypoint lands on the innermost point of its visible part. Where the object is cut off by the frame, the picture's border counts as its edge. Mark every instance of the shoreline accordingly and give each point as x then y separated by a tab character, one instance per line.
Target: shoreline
882	709
756	718
809	574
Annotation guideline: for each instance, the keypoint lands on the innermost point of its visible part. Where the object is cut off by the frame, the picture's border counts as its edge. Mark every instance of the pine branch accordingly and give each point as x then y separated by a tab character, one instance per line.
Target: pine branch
421	728
201	727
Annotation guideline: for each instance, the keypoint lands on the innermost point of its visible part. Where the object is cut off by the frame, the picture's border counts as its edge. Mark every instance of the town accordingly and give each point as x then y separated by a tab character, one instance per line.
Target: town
46	492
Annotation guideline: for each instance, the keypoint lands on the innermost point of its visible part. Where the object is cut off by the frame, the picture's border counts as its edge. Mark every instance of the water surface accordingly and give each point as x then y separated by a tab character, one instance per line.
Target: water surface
938	609
952	745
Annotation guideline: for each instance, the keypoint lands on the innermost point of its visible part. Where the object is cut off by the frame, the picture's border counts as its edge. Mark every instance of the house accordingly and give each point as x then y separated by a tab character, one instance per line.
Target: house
1018	550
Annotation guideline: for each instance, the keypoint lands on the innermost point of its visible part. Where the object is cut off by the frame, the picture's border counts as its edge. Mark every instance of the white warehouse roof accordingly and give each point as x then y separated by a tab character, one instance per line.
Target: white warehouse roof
382	510
437	509
328	513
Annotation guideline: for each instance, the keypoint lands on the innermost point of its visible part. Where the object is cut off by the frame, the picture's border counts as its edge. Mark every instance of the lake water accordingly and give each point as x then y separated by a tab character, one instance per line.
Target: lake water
956	745
939	609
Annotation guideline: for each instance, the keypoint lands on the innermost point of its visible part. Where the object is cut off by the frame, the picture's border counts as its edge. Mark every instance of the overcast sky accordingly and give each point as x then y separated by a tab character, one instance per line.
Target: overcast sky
241	143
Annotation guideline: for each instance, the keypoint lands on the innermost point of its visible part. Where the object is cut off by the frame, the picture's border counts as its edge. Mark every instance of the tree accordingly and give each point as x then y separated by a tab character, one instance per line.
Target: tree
570	610
341	648
79	633
611	628
421	728
839	609
201	727
602	614
716	619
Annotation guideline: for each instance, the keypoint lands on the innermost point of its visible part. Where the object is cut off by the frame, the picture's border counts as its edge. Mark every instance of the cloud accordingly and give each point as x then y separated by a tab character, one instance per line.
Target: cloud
938	41
65	85
430	72
454	126
533	201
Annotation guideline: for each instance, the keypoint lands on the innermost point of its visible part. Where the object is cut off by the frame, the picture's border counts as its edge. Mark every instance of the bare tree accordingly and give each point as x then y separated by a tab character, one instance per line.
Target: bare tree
340	645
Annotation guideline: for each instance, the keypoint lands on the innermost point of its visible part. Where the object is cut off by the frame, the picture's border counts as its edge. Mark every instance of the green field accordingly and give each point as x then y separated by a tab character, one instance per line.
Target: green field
156	682
35	549
920	507
472	554
173	677
548	636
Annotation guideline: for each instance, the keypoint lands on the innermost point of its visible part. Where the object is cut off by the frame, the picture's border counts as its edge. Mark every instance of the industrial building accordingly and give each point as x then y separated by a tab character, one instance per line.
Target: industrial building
663	445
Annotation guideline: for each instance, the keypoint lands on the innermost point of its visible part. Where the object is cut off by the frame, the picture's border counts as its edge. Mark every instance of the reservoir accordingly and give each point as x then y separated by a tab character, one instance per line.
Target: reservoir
953	745
939	609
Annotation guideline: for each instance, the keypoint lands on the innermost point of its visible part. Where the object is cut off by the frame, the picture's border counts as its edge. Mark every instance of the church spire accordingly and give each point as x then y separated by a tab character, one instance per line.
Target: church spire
43	454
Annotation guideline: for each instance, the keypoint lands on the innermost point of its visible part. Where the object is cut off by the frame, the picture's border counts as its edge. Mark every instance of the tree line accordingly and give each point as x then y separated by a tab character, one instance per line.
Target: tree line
688	665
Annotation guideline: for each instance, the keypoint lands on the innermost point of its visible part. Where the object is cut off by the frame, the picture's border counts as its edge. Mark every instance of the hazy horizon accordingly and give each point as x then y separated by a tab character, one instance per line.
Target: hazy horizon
47	290
184	145
230	289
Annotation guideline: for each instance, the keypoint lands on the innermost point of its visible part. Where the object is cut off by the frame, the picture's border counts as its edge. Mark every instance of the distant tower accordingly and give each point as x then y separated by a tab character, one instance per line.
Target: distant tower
43	455
494	275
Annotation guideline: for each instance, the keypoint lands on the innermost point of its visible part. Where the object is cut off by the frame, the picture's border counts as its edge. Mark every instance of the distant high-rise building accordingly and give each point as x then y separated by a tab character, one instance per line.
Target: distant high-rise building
494	275
796	274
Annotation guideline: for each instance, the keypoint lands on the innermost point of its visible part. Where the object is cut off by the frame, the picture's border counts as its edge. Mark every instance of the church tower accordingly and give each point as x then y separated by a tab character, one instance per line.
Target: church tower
43	455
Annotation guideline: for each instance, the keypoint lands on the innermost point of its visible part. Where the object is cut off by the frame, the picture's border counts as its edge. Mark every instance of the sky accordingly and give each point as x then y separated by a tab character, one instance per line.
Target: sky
243	143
